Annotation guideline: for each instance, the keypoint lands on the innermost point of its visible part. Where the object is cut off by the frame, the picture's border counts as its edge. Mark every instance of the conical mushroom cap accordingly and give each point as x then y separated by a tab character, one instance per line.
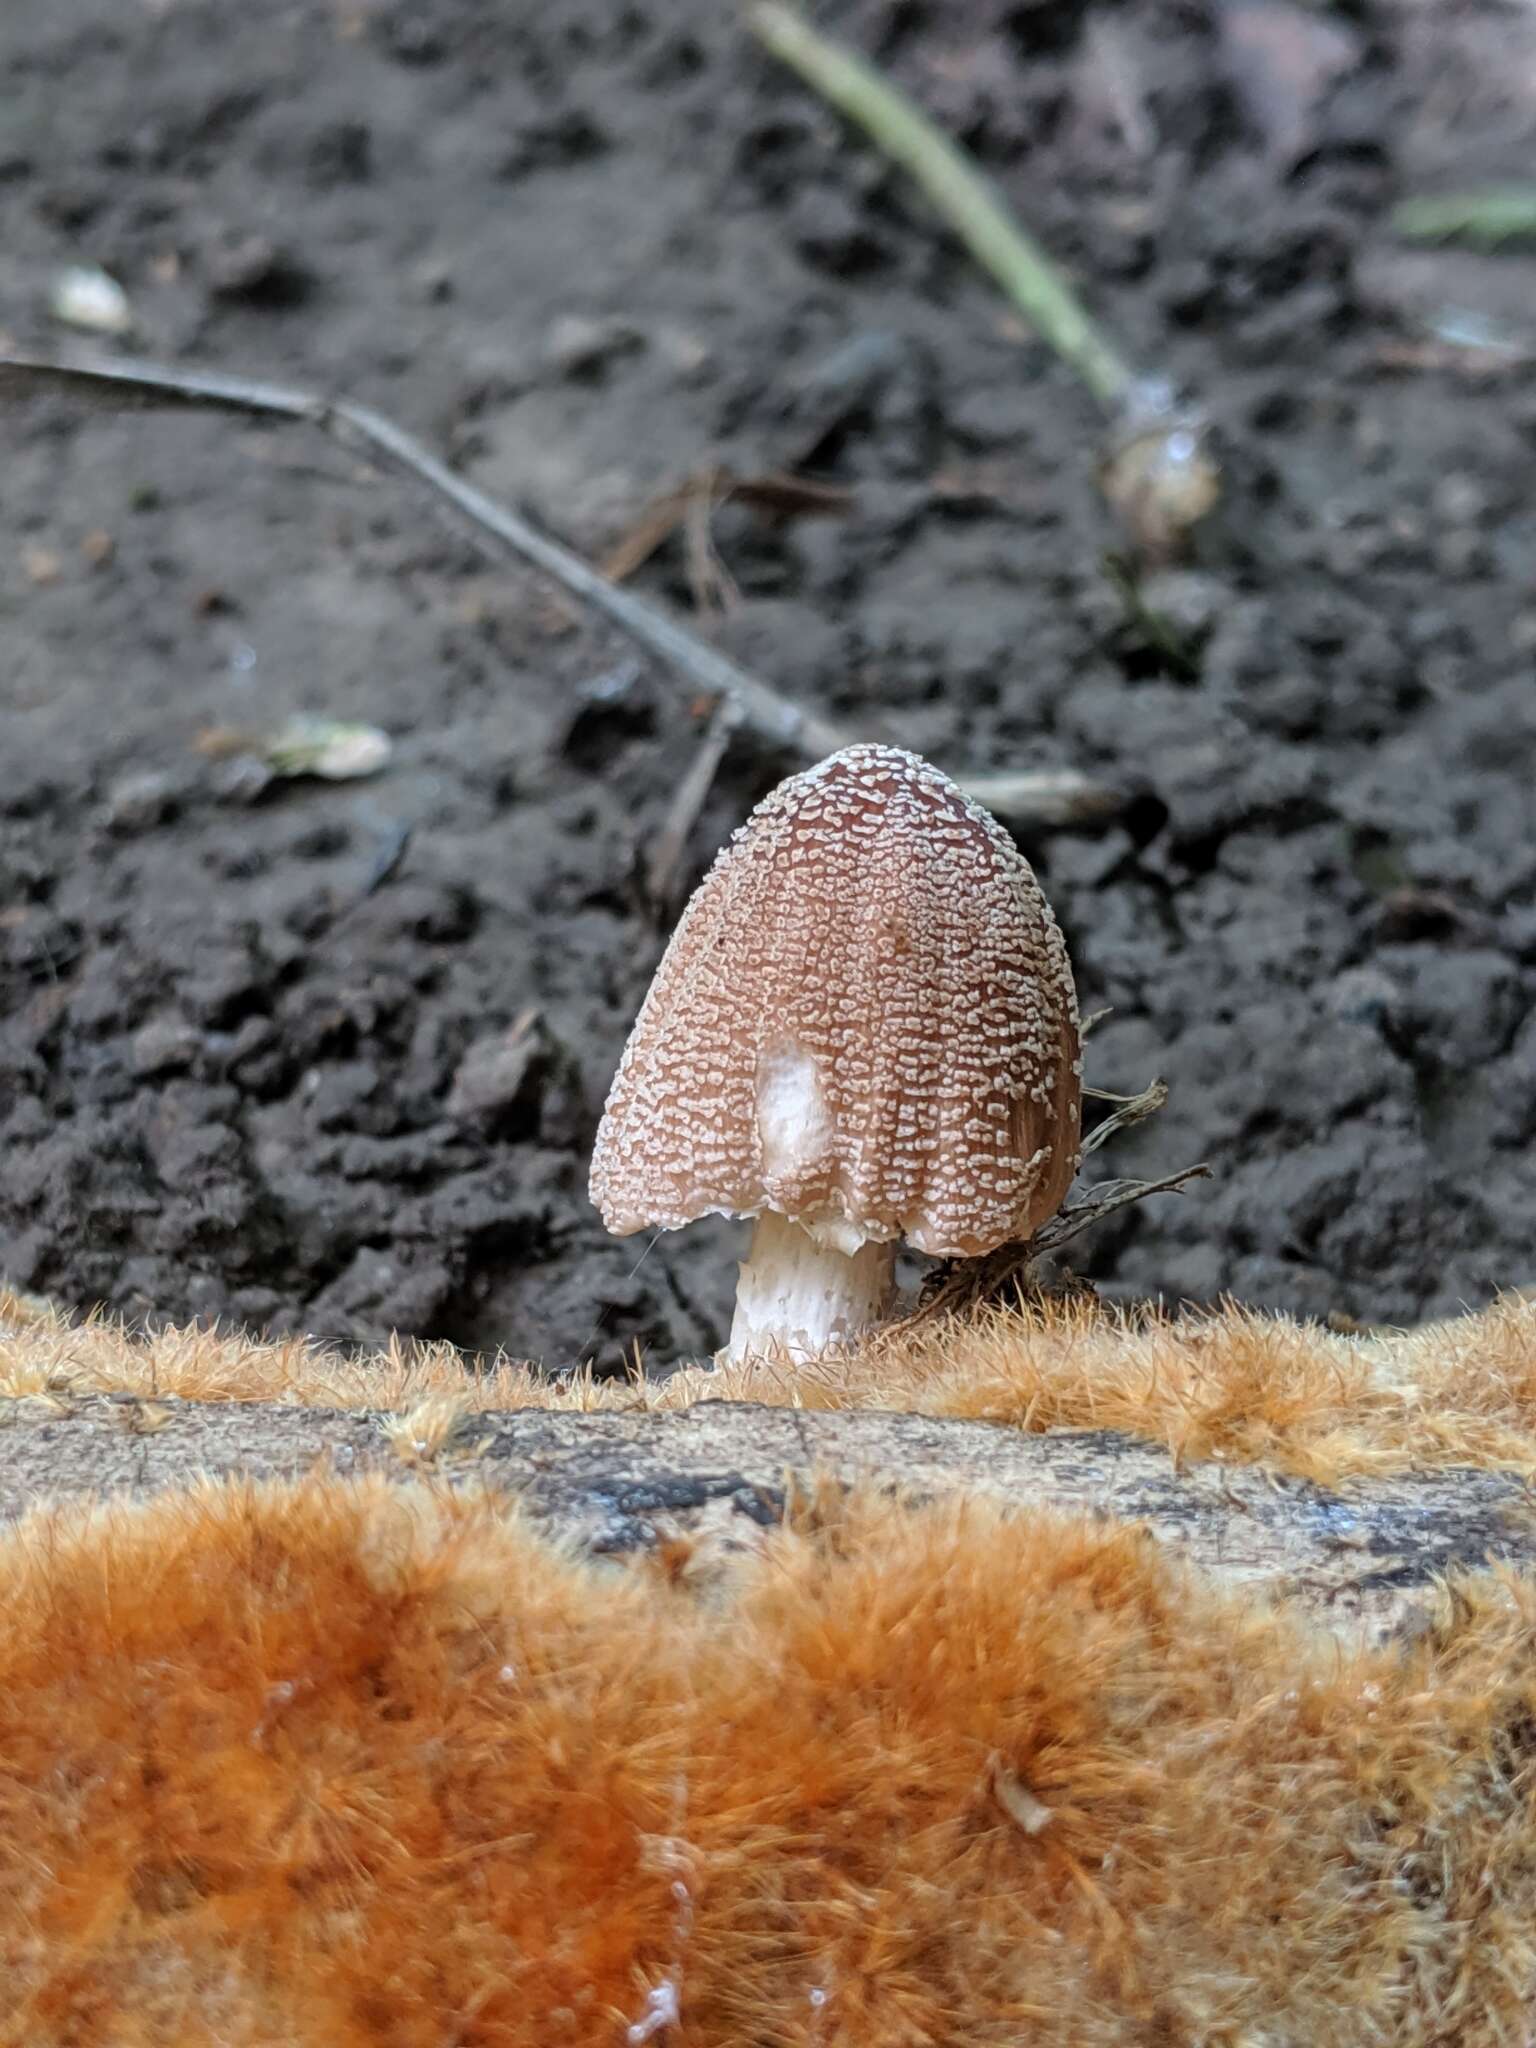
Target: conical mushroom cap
865	1021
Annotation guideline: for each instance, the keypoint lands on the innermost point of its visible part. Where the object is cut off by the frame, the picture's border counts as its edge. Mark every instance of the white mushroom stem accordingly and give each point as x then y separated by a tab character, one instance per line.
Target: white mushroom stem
801	1297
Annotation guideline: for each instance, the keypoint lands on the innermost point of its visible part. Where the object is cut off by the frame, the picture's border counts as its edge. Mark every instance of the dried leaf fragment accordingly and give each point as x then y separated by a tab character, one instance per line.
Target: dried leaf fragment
329	748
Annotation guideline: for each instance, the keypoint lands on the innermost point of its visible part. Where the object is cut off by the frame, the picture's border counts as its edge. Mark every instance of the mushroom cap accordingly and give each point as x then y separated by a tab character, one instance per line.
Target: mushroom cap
865	1021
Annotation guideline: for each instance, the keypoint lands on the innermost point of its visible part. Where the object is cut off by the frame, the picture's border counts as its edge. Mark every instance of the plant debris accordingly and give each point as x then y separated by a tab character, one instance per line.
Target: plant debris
1159	474
961	1286
330	749
777	721
1488	218
86	296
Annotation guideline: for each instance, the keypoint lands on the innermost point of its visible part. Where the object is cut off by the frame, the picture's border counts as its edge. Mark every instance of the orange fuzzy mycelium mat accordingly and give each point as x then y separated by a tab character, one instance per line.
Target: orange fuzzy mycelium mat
341	1763
1232	1384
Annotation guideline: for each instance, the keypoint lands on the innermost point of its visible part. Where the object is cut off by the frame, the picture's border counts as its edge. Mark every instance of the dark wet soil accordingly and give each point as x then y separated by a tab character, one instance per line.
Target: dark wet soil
587	250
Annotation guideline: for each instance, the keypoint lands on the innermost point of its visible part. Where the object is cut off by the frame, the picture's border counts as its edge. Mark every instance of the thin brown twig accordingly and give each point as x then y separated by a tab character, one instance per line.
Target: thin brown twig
770	715
713	587
651	531
777	493
970	1283
1129	1109
1037	799
1102	1199
665	860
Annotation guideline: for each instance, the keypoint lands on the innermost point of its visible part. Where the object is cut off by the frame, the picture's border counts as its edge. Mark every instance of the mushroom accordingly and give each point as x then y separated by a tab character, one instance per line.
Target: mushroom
864	1029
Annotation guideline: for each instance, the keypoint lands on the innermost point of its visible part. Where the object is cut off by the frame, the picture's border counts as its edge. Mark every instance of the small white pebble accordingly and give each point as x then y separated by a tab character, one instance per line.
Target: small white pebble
85	296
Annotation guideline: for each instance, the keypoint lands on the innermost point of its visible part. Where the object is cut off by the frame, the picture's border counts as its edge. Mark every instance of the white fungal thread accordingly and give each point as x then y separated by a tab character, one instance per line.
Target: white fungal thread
664	2001
661	2010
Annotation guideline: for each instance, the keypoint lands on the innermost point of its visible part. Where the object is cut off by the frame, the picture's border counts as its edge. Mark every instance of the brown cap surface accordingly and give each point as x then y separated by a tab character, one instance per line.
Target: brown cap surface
865	1021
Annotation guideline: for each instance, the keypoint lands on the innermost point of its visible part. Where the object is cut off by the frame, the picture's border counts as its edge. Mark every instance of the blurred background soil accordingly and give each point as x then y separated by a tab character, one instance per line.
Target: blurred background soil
255	1059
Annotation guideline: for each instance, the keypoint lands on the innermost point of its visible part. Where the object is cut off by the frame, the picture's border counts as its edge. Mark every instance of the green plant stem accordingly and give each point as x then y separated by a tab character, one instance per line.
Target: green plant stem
1486	217
957	190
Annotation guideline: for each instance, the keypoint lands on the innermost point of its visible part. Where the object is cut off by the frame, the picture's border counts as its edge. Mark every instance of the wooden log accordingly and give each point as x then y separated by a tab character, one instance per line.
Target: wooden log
1362	1560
